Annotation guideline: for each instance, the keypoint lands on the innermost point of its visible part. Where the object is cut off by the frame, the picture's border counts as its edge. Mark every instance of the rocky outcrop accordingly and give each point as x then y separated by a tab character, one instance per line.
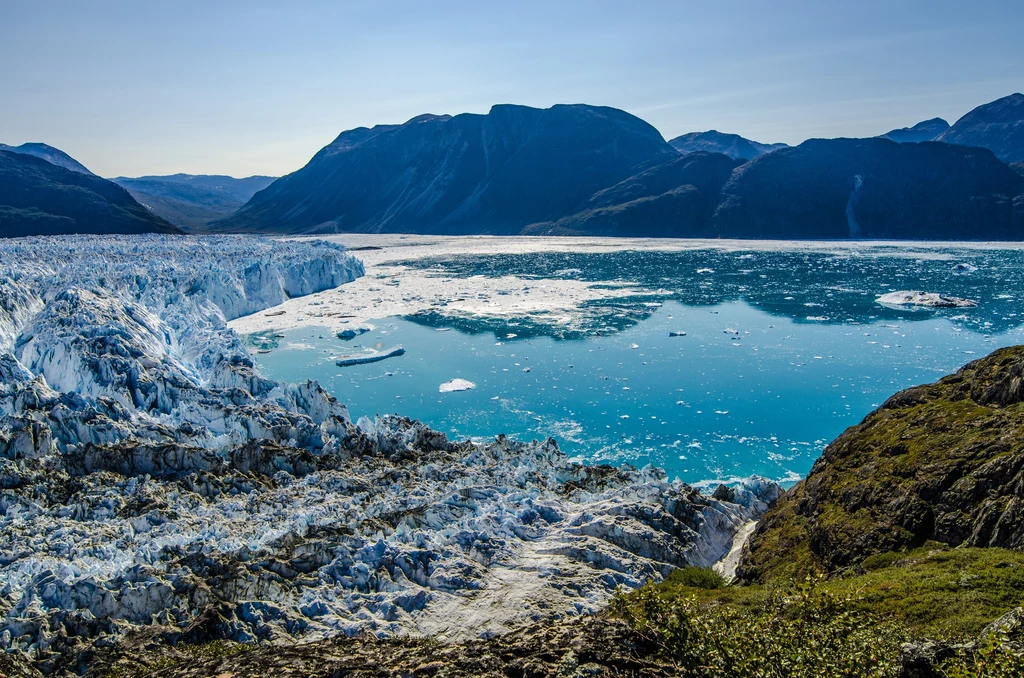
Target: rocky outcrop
40	198
942	462
923	658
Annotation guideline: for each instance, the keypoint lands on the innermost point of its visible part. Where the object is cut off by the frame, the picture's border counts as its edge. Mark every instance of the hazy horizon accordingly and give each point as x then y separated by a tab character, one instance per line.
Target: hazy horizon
256	88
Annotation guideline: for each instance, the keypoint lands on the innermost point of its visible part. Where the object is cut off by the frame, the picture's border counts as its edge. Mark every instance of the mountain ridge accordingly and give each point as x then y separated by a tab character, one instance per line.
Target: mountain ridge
192	201
40	198
458	174
732	145
997	125
52	155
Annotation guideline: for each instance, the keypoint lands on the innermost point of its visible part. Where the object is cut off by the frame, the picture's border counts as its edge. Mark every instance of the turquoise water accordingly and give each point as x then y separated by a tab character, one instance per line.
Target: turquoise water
752	388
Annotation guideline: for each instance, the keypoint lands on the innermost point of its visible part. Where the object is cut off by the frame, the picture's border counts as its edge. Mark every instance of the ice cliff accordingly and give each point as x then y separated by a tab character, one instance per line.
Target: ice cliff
151	478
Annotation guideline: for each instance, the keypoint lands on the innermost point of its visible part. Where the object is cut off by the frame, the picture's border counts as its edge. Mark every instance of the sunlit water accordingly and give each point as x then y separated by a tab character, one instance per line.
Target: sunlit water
771	368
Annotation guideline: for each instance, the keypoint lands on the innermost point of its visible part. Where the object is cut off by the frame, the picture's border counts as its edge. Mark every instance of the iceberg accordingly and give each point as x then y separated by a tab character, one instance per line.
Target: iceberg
456	385
369	356
926	299
352	332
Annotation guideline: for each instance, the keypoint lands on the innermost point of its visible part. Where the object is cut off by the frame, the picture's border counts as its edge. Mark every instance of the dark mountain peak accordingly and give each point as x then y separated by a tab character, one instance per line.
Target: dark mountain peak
873	188
1007	109
998	125
52	155
926	130
40	198
493	172
713	141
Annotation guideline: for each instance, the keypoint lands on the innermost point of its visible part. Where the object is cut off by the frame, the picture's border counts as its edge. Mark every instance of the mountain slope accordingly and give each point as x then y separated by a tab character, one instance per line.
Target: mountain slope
675	198
39	198
942	462
713	141
873	188
493	173
998	126
926	130
52	155
192	201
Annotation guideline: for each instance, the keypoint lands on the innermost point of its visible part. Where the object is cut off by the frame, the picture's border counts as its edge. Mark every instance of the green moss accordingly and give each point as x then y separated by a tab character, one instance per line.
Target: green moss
933	591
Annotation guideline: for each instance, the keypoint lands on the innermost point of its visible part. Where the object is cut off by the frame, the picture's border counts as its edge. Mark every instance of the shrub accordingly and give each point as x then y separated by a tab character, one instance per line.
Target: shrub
696	577
809	632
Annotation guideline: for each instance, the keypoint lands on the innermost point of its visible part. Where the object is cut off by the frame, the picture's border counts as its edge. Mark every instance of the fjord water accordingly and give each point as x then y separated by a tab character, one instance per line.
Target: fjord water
781	353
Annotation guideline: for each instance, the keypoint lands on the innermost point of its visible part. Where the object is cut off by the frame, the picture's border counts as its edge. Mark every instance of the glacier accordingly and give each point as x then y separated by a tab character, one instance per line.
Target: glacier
153	481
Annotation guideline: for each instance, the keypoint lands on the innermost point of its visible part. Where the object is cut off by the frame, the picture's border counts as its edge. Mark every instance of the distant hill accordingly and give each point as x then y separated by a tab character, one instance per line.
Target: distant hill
998	126
50	154
873	188
492	173
927	130
713	141
675	198
192	201
40	198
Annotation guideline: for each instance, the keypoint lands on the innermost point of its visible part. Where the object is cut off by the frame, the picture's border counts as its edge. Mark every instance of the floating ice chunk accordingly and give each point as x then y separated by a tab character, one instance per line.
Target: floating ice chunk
926	299
370	357
352	332
634	345
456	385
676	334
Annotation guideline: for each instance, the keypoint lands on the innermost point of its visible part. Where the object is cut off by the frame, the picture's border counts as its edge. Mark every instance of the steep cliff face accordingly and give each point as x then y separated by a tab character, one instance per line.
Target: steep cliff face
491	173
942	462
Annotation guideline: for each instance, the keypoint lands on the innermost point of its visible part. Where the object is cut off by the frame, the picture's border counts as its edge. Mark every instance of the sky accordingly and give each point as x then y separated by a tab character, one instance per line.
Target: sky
243	88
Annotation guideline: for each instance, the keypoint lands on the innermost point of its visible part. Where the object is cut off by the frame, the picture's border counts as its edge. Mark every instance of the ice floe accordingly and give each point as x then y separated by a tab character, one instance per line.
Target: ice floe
456	385
926	299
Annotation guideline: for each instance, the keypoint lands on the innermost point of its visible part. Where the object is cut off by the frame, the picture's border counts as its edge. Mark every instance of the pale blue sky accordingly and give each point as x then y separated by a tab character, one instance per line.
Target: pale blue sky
242	88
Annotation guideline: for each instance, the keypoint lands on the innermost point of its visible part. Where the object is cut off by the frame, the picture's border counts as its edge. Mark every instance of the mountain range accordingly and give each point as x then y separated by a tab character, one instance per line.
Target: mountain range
52	155
192	201
713	141
594	170
926	130
41	198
